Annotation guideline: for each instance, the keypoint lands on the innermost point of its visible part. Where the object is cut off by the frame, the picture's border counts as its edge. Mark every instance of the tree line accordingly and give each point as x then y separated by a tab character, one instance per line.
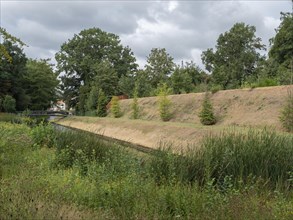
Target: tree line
24	83
93	66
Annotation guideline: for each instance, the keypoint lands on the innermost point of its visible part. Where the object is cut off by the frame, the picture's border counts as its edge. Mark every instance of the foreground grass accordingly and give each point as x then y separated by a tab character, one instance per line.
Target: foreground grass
45	175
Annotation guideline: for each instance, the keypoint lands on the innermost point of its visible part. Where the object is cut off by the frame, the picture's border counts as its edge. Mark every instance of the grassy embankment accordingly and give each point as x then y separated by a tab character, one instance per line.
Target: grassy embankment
45	174
241	108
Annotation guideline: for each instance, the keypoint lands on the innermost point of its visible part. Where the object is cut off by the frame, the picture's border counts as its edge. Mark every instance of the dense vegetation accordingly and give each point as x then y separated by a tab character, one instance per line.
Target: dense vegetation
235	63
245	175
94	63
24	83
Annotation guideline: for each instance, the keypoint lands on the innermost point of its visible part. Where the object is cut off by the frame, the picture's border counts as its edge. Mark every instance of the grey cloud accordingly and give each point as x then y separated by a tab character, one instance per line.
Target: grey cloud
143	25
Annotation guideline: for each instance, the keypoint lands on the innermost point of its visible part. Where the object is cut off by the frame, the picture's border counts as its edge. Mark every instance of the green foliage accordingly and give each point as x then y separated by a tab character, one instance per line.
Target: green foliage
110	182
134	105
168	168
206	114
8	37
159	66
78	148
10	117
181	81
102	104
280	55
92	99
287	112
244	158
96	55
261	154
264	82
12	75
41	84
126	84
236	56
144	84
43	135
203	87
106	78
9	104
186	78
164	102
261	81
216	88
115	107
281	45
83	95
31	83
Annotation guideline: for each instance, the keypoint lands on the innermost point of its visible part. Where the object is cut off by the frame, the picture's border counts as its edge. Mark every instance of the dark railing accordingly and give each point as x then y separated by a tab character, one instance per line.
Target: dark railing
48	112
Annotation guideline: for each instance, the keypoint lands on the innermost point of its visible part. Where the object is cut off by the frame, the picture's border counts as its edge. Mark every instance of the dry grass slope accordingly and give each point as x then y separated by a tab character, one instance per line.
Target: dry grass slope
257	107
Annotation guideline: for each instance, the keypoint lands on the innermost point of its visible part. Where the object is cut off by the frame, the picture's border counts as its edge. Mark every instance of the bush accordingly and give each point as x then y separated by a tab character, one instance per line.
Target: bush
43	135
115	107
91	113
207	115
82	149
264	82
9	104
216	88
164	102
287	113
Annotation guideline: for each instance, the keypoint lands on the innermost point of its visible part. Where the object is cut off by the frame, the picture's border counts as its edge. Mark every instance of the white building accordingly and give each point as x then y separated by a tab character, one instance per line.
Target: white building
58	106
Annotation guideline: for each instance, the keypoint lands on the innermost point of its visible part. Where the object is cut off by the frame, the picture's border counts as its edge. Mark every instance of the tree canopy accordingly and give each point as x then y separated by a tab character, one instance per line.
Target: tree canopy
12	73
24	83
281	51
4	54
41	84
159	66
236	56
78	59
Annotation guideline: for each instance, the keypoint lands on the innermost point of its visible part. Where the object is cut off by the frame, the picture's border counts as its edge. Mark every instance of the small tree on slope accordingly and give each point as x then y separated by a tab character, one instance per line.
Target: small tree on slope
115	107
207	115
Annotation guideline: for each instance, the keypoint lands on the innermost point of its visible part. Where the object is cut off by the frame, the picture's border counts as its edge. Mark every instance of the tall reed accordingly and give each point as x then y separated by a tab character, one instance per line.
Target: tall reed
241	156
262	154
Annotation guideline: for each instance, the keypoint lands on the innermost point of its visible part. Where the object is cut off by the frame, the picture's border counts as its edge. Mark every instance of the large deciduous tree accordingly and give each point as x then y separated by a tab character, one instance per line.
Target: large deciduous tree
281	52
186	77
78	58
4	54
236	56
12	72
41	84
144	87
159	66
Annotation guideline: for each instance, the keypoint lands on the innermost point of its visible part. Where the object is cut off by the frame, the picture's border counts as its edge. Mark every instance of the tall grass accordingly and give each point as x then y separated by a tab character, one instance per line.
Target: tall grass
262	154
115	183
9	117
238	156
83	149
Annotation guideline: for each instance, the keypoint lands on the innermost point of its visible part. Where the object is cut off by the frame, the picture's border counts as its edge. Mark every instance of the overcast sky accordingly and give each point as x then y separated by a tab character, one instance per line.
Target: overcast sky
184	28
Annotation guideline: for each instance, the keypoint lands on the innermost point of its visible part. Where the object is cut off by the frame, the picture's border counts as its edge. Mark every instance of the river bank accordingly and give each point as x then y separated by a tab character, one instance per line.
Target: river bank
46	173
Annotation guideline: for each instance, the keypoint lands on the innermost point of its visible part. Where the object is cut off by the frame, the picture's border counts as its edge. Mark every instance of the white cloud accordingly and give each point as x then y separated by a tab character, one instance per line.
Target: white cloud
196	56
271	23
172	6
